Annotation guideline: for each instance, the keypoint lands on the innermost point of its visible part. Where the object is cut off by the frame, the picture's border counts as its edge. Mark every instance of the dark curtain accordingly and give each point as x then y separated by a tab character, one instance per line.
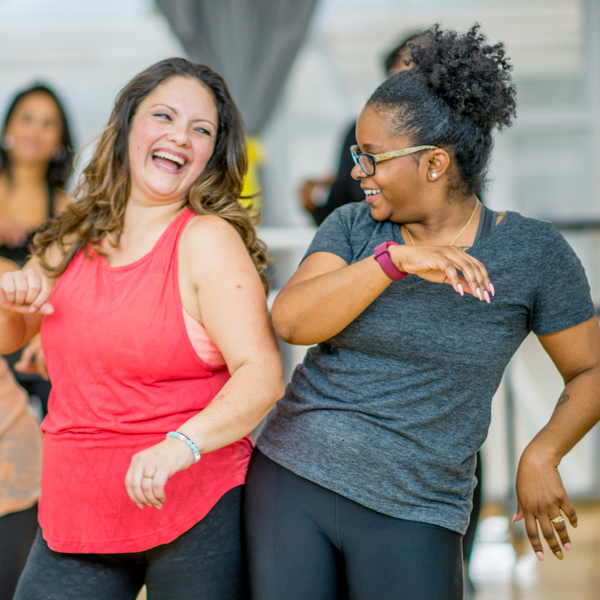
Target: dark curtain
250	43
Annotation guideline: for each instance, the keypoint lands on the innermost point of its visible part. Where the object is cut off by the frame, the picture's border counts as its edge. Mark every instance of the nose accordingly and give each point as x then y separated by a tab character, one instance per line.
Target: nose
179	135
357	173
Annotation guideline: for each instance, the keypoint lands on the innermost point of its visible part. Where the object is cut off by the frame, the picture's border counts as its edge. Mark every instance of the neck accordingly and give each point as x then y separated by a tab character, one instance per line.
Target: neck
27	174
141	217
441	227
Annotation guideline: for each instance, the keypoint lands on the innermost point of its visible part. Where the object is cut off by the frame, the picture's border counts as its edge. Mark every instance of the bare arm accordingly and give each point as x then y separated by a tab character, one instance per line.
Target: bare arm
232	306
23	303
576	353
220	288
326	294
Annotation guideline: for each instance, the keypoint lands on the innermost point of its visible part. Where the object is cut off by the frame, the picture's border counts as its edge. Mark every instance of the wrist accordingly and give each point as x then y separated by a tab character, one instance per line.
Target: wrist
398	254
384	259
193	432
182	438
540	453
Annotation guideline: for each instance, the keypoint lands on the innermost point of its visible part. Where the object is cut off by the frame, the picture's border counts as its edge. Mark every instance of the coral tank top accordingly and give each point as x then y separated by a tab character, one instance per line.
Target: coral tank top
124	374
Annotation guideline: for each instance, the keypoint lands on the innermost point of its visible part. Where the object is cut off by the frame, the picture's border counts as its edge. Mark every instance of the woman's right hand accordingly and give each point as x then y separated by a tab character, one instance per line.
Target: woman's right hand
441	264
25	292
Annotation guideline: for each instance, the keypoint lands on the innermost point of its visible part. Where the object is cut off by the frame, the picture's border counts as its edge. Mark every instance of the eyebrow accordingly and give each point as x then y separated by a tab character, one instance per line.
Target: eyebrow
175	111
371	147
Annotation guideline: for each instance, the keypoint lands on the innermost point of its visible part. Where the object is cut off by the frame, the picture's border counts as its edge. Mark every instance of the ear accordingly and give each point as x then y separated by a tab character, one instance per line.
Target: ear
437	163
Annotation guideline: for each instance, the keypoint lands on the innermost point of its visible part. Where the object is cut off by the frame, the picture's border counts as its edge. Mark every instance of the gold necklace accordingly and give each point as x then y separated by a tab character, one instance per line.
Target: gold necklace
459	233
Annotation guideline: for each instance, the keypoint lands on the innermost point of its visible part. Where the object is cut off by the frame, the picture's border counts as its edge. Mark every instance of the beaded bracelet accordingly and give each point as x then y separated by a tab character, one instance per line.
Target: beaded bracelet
186	439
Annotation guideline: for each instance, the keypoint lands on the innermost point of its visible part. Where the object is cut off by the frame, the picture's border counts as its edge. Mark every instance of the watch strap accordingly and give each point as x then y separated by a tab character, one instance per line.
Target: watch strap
382	256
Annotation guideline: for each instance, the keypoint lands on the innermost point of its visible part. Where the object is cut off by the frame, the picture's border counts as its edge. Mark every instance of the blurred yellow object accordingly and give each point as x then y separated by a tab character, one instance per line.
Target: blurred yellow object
256	157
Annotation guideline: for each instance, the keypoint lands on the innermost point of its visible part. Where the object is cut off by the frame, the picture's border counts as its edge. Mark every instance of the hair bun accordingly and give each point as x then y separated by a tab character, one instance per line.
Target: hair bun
471	76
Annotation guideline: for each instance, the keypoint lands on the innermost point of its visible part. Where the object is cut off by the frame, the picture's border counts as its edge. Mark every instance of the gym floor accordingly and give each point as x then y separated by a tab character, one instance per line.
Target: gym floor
577	577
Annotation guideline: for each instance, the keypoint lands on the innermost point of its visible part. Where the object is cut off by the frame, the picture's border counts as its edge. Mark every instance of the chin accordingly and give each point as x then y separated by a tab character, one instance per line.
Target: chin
380	214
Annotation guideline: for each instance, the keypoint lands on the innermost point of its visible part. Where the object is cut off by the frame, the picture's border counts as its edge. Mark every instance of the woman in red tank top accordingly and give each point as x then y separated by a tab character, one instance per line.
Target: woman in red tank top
154	321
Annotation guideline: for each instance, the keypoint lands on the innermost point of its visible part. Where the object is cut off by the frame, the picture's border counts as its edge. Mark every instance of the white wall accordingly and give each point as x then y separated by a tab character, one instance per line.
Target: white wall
84	49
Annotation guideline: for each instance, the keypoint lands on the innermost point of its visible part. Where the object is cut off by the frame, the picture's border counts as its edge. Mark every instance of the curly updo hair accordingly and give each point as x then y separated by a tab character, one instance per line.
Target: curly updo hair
460	90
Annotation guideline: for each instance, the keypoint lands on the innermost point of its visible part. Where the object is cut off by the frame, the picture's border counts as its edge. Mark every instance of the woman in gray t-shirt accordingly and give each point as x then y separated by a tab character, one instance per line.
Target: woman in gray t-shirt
362	480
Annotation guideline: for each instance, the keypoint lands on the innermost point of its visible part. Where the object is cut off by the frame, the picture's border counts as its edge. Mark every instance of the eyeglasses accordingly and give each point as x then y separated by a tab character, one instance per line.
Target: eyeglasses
367	162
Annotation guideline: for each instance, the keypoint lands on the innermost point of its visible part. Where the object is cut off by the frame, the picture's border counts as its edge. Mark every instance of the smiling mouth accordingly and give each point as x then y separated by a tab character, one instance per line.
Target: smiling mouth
167	161
370	195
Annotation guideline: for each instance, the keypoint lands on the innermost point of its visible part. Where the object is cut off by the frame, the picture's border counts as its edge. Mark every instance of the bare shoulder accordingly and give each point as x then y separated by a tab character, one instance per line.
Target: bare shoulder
207	233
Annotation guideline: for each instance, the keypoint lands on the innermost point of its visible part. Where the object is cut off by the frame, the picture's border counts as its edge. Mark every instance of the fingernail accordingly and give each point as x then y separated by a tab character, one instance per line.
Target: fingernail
479	294
575	525
460	289
514	517
492	290
567	546
540	555
559	555
487	297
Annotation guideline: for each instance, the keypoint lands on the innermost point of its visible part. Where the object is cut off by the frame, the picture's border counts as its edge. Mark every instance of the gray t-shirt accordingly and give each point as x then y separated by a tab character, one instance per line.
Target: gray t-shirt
391	411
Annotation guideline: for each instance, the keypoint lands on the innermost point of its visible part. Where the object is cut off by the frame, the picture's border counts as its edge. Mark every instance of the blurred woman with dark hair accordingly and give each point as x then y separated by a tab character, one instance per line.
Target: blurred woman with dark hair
150	293
36	158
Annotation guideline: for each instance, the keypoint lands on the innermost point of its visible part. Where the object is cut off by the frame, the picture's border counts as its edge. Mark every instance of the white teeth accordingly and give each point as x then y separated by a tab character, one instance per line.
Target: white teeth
372	192
176	159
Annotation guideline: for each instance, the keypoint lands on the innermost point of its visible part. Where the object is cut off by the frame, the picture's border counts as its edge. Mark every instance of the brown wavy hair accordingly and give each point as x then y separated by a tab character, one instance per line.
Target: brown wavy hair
98	206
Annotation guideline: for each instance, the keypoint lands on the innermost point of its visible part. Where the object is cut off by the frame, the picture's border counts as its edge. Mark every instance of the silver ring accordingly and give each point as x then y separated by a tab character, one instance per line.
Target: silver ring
557	520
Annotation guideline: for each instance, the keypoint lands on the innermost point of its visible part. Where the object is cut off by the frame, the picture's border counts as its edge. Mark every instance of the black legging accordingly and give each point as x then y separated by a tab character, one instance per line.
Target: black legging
469	537
204	562
17	532
304	541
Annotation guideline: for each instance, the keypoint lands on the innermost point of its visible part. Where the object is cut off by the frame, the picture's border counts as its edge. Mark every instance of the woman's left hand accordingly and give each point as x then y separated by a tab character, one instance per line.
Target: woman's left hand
33	359
150	470
541	497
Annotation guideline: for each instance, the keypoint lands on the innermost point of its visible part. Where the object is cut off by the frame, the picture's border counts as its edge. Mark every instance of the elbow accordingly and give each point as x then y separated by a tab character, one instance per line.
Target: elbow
284	332
290	334
276	386
295	326
284	329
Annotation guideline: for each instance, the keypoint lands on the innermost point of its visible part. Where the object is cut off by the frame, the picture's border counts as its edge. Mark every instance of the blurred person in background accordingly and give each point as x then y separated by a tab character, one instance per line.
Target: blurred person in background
36	158
20	467
363	475
160	348
321	197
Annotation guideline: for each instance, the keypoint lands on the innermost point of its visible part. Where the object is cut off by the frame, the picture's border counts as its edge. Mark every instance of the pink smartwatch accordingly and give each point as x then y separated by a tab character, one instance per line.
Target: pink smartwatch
382	256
